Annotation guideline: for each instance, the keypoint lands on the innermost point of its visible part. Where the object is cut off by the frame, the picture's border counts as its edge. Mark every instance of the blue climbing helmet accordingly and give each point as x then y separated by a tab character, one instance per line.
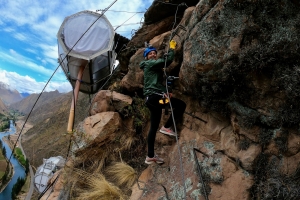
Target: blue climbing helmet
148	50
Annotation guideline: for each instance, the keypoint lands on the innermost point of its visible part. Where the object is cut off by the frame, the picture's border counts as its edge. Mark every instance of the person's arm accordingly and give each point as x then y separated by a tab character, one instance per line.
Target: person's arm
160	63
170	55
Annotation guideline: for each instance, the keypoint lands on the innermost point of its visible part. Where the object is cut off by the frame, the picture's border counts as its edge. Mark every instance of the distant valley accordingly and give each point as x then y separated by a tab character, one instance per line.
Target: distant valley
48	136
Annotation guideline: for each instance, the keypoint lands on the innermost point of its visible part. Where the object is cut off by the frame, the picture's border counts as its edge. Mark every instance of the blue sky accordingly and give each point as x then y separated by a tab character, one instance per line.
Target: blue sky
28	43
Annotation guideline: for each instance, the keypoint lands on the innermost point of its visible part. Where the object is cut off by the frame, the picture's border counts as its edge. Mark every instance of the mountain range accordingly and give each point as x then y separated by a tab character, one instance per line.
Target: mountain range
3	108
25	105
49	118
8	95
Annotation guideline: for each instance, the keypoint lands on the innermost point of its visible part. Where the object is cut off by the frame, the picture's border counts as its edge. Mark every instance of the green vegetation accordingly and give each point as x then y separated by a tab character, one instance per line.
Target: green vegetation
4	151
139	112
4	122
14	114
25	187
26	166
4	179
2	163
2	173
4	170
17	188
19	155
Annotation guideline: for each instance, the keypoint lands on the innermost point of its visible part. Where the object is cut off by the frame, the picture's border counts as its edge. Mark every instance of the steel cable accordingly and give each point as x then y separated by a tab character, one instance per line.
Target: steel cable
172	113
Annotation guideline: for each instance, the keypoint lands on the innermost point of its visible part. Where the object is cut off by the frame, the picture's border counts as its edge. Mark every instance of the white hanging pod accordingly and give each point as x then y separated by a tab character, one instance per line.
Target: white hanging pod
46	171
86	39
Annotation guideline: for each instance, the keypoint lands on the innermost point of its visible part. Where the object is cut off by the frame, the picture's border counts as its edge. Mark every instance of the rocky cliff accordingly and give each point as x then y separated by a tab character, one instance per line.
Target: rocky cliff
238	67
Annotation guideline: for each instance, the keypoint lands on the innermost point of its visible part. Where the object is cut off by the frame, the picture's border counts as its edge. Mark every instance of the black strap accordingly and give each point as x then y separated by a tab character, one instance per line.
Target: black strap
166	109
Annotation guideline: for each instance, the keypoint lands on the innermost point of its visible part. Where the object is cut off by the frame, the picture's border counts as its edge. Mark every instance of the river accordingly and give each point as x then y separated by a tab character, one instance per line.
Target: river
19	170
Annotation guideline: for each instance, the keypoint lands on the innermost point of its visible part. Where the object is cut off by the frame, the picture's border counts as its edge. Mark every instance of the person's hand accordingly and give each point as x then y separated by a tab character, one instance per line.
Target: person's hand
172	44
166	95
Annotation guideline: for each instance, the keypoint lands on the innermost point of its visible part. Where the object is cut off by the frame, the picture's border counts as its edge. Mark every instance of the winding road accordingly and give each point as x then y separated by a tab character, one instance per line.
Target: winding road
29	194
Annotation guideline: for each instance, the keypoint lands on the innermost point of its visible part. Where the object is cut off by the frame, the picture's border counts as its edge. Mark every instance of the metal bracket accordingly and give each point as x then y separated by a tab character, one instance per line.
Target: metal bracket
199	170
176	30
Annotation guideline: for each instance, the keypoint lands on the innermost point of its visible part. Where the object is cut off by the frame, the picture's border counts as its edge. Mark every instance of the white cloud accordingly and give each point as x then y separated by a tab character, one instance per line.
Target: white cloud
30	85
31	50
49	51
8	29
20	36
45	17
27	63
42	19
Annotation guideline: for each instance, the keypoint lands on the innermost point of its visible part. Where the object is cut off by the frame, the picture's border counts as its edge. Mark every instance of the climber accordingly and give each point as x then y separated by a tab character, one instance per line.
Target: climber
154	90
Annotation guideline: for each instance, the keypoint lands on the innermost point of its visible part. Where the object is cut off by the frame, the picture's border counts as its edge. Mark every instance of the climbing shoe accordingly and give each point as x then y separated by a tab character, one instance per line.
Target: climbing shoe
167	131
155	159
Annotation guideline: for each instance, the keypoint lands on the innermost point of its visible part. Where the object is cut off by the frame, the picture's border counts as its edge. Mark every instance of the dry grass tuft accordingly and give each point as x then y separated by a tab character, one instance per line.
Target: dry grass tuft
128	141
93	159
122	174
97	187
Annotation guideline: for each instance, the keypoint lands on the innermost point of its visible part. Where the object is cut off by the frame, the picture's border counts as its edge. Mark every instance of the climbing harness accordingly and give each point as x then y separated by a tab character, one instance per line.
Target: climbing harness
164	100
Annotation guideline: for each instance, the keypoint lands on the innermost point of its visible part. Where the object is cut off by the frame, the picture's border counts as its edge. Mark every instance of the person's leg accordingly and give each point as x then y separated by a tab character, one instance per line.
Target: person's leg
155	119
155	111
178	110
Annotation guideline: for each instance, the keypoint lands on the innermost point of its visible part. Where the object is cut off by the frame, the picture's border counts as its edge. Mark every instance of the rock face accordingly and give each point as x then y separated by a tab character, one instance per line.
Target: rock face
238	65
106	100
159	19
236	55
239	59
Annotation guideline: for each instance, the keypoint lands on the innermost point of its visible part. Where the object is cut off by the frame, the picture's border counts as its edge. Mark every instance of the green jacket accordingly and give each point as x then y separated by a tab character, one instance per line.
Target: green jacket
153	74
